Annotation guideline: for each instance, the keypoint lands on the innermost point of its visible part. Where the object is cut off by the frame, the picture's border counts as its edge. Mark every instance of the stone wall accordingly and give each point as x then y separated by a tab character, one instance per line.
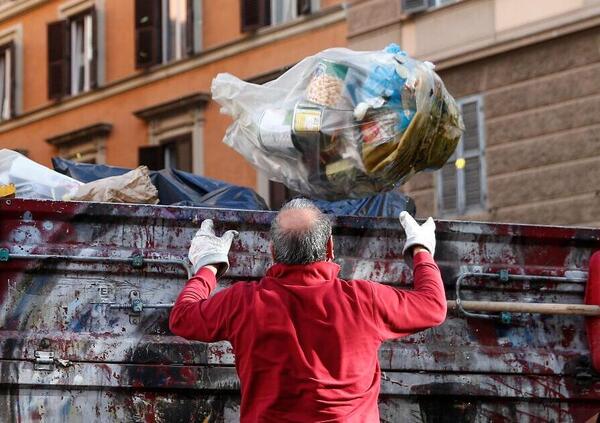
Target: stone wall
542	121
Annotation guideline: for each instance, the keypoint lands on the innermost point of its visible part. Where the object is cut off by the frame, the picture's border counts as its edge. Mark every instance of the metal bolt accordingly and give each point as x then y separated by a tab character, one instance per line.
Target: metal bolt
506	317
137	261
137	305
4	254
44	343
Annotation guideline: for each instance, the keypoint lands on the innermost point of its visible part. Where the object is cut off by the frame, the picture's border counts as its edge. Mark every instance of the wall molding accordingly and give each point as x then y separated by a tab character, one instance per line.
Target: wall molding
73	7
9	10
511	39
322	19
80	135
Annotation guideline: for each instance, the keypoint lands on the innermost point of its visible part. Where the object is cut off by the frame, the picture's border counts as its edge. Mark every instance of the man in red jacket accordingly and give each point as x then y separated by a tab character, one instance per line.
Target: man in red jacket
305	341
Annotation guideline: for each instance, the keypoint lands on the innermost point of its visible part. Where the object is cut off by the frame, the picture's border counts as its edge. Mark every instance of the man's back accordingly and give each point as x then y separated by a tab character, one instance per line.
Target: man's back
305	341
305	344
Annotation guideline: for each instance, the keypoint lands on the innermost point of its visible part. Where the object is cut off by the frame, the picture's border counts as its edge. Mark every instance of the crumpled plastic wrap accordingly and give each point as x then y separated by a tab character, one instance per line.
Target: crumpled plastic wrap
343	124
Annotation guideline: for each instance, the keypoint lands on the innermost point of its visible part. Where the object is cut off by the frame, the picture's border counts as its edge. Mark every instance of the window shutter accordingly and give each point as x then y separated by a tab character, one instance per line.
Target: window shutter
449	198
189	27
472	172
470	112
152	156
471	147
255	14
59	60
148	37
94	63
303	7
414	6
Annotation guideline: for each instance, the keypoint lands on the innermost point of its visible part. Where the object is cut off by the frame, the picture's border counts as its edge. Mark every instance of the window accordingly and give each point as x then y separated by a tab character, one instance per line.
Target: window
461	183
174	23
260	13
178	152
175	130
414	6
438	3
7	81
72	55
82	52
171	153
166	30
83	145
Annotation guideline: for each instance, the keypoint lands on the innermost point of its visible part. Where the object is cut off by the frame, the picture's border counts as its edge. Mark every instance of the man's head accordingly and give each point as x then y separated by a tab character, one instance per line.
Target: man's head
301	234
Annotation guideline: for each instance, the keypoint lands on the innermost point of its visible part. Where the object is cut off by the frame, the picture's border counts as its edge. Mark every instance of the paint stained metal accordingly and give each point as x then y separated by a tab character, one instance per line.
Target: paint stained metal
81	340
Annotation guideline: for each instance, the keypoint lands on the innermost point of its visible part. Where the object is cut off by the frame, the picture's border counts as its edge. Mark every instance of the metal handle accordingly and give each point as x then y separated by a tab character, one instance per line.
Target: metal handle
136	261
505	315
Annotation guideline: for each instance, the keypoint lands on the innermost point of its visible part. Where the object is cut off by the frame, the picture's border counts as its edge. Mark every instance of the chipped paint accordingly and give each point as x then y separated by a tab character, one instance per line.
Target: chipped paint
113	364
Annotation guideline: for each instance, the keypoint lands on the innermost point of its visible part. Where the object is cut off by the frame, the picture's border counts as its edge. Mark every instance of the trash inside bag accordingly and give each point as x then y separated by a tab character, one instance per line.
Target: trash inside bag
343	124
134	186
32	180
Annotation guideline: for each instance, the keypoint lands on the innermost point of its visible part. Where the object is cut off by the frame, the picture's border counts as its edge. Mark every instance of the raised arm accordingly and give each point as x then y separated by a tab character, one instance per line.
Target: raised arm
401	312
195	315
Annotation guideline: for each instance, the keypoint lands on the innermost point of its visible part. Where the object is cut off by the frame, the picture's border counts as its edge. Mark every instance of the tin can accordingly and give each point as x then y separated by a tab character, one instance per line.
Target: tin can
275	131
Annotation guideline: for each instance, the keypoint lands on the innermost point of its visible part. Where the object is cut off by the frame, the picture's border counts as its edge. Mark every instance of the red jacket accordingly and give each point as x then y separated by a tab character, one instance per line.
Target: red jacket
306	341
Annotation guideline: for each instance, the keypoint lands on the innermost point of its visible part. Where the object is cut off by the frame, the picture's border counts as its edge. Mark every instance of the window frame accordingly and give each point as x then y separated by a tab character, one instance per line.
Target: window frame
173	142
9	48
182	52
84	144
151	33
12	38
87	19
461	208
263	19
60	40
171	119
434	4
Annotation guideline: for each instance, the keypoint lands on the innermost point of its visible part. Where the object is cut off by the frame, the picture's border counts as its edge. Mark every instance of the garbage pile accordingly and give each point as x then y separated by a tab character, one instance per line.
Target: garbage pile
343	124
21	177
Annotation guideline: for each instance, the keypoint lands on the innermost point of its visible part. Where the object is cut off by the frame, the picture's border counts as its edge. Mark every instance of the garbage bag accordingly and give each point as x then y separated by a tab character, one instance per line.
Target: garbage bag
174	187
343	124
388	204
132	187
32	180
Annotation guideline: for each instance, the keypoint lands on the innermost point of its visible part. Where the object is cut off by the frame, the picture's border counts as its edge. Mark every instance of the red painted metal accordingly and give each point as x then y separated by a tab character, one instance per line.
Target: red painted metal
68	353
592	296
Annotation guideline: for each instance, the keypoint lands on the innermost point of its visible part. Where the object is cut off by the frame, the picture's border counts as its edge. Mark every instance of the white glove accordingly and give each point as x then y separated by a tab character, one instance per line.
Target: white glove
423	235
207	248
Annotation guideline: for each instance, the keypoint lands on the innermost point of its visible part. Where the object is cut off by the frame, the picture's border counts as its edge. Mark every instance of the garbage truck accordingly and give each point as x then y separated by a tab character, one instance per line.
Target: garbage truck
86	288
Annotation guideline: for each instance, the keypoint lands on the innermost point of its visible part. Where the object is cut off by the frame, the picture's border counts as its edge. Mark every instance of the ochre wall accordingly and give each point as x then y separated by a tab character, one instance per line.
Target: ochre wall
128	131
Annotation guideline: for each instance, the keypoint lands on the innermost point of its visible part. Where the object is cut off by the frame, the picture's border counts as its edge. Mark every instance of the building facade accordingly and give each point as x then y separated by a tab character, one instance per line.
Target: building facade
527	77
128	82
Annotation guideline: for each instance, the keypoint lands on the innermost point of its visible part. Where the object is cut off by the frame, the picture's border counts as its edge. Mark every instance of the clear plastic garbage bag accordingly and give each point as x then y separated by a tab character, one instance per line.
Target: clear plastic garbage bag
343	124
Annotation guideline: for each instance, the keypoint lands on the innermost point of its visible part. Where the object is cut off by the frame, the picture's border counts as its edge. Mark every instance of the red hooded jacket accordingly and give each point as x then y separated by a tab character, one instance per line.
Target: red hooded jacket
305	341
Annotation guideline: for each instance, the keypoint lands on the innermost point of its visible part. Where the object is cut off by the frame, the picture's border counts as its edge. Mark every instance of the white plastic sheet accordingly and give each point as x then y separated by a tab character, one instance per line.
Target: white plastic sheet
32	180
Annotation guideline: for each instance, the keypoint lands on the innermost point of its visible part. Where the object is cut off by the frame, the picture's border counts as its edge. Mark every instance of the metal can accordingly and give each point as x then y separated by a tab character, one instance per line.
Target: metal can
275	131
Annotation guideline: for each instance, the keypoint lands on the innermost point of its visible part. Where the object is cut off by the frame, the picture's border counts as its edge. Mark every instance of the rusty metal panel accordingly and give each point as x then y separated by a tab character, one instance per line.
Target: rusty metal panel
85	290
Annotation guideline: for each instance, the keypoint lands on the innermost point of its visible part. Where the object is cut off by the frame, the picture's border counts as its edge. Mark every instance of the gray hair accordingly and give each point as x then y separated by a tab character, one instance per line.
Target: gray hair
301	246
